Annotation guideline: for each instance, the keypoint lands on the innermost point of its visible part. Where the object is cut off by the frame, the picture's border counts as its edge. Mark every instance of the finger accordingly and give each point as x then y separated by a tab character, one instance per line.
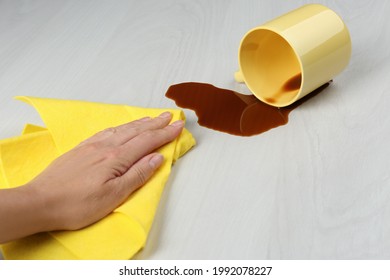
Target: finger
126	132
149	141
139	173
123	133
101	135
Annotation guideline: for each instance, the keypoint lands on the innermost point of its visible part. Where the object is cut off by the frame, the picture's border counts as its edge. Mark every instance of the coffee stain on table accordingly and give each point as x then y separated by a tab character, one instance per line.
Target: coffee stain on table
232	112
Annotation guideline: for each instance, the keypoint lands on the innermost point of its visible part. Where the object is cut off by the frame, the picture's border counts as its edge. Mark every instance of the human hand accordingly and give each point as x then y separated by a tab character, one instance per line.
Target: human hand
90	181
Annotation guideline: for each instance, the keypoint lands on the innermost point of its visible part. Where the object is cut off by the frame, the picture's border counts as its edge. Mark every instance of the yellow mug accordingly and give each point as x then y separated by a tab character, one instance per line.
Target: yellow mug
292	55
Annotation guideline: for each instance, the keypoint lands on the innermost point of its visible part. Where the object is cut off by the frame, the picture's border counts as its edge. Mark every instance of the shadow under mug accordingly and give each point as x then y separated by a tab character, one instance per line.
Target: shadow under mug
286	58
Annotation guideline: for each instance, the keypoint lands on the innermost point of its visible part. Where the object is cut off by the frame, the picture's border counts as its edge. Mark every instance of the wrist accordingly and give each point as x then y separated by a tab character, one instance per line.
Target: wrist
36	210
22	213
33	210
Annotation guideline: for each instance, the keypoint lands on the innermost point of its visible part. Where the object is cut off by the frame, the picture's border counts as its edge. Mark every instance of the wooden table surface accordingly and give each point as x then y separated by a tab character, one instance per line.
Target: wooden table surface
317	188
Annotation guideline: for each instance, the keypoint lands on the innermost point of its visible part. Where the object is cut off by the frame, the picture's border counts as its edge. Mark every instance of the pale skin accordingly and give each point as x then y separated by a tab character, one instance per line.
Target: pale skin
87	183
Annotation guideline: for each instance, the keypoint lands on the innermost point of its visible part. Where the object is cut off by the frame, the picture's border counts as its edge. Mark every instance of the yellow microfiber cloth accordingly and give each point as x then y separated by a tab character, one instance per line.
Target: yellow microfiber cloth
121	234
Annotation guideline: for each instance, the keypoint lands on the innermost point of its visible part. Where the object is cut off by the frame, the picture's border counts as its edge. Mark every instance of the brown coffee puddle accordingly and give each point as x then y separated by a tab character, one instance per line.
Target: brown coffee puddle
232	112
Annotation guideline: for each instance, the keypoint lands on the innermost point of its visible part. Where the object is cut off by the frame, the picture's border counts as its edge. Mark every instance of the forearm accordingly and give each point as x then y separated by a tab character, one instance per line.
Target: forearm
22	213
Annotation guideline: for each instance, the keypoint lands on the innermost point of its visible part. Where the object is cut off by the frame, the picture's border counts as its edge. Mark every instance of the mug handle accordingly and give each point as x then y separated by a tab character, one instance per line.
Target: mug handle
238	77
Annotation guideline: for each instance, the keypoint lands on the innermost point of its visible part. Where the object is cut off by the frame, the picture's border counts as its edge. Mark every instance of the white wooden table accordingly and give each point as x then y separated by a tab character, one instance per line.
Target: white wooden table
317	188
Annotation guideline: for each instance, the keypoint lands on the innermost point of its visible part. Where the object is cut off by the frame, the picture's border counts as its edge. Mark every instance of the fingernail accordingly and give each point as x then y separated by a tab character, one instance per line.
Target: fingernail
178	123
165	115
156	161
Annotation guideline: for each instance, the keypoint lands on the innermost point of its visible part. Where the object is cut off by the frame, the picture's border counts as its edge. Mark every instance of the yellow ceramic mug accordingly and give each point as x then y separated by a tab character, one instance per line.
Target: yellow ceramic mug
292	55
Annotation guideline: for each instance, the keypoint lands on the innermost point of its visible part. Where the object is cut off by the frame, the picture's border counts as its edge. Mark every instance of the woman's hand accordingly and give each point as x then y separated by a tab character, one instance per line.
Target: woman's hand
87	183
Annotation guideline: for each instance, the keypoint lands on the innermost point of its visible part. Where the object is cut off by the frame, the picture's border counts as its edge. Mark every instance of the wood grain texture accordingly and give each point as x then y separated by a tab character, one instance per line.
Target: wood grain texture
317	188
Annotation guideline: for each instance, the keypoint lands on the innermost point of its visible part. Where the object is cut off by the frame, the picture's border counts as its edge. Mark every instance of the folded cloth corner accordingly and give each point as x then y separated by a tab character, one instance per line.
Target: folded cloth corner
121	234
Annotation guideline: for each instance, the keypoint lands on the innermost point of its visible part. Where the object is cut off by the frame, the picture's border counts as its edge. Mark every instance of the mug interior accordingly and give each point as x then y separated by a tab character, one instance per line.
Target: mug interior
270	67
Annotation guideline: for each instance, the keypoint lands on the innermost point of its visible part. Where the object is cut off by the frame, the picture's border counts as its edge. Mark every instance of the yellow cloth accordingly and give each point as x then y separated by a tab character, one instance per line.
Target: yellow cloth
121	234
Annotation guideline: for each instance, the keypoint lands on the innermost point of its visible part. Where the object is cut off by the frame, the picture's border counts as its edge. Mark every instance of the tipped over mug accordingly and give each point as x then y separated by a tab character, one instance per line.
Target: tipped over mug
288	57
